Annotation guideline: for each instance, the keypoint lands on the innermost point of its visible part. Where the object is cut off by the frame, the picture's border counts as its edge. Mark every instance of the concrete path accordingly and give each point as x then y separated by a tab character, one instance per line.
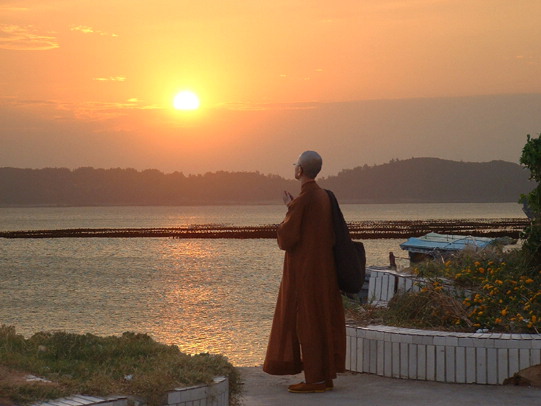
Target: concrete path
261	389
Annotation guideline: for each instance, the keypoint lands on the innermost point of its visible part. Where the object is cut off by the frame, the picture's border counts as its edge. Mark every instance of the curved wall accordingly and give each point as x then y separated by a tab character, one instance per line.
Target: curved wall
440	356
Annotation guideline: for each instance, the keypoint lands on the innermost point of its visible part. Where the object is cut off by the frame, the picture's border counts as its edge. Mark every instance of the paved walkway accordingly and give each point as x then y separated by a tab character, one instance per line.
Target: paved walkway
261	389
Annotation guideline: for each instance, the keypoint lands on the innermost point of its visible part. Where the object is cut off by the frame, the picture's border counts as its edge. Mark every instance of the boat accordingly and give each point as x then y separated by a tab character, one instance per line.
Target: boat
434	245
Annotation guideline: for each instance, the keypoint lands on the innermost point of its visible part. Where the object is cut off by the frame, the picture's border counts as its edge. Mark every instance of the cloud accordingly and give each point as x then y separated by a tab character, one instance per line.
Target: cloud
89	30
25	38
8	9
90	111
268	106
528	59
111	79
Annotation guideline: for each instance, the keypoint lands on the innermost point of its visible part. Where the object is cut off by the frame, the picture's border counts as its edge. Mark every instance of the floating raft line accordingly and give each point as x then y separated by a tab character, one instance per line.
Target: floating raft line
377	229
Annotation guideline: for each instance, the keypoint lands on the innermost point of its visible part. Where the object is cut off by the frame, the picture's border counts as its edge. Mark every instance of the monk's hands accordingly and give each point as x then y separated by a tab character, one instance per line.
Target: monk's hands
287	197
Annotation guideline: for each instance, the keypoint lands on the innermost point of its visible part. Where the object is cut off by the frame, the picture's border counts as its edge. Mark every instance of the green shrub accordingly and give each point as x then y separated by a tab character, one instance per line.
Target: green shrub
531	159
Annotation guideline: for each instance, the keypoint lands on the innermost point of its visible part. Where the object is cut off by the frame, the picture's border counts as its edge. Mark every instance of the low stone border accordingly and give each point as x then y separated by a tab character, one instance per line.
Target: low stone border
440	356
384	283
80	400
215	394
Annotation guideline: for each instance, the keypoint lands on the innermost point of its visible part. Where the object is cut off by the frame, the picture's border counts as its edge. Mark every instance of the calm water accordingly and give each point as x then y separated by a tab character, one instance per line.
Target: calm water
203	295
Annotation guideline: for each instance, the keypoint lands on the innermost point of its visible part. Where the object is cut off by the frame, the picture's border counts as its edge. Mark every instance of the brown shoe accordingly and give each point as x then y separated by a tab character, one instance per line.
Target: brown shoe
329	385
307	388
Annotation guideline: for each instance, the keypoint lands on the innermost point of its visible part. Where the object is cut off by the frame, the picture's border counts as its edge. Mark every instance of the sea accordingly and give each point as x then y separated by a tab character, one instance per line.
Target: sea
203	295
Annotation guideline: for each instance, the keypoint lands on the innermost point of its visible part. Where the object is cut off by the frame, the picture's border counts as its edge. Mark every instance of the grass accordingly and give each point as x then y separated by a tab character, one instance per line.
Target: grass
132	364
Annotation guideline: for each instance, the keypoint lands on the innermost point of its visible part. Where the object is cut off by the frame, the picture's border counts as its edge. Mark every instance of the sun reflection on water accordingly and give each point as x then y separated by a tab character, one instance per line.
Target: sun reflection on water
217	298
214	296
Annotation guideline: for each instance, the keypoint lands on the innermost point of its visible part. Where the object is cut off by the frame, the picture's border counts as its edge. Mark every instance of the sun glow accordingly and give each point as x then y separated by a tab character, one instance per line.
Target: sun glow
186	100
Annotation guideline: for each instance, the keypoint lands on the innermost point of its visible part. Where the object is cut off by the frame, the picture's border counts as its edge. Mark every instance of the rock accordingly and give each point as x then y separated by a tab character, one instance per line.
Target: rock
527	377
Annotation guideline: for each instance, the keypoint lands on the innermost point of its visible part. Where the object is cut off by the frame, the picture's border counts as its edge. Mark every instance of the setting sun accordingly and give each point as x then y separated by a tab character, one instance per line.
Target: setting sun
186	100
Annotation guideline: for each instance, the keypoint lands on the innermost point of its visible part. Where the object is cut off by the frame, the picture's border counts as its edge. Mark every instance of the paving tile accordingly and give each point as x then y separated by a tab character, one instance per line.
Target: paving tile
471	365
412	361
380	357
481	364
388	359
460	365
431	362
440	363
492	366
404	360
450	367
503	364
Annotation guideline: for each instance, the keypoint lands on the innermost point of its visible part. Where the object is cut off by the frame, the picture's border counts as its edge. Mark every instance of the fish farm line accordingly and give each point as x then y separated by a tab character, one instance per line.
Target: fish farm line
377	229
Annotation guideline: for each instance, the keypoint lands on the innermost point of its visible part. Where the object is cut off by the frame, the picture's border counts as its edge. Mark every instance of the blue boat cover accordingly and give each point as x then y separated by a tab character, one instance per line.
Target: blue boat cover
444	242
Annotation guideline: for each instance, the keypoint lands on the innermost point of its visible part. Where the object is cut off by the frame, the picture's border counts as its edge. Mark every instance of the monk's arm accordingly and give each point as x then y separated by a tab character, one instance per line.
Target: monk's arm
289	231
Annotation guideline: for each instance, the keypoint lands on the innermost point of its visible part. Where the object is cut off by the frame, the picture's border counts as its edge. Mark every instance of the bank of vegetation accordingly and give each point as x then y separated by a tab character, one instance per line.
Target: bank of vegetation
132	365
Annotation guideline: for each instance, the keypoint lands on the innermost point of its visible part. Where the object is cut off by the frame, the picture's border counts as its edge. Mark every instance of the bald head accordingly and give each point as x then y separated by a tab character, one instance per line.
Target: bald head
310	162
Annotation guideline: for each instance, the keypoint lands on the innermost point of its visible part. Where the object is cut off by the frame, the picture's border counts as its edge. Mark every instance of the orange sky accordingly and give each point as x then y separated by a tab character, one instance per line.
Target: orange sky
91	82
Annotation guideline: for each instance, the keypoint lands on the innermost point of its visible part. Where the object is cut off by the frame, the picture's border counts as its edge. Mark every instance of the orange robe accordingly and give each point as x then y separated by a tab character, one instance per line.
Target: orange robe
308	331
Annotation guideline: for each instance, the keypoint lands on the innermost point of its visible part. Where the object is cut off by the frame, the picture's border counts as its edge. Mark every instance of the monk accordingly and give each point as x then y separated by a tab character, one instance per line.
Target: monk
308	331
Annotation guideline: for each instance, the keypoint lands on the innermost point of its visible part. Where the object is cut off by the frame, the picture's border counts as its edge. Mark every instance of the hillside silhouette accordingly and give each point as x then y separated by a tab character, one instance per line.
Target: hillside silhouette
432	180
415	180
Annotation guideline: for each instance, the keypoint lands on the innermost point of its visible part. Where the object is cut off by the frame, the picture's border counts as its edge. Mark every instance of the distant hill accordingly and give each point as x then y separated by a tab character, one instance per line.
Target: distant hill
419	180
413	180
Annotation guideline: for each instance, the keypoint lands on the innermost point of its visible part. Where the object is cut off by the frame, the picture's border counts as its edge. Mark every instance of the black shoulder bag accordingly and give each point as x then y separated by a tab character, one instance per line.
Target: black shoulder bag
349	256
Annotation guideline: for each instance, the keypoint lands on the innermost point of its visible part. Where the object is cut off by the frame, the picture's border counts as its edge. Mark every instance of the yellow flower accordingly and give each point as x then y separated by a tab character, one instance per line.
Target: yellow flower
477	263
529	280
481	270
504	312
534	318
498	320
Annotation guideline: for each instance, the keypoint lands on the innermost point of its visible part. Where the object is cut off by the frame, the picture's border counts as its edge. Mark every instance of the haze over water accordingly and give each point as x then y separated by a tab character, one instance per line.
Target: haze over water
214	295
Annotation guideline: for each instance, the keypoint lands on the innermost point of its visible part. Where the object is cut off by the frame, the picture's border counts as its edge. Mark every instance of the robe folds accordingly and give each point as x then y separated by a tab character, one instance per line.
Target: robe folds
308	330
